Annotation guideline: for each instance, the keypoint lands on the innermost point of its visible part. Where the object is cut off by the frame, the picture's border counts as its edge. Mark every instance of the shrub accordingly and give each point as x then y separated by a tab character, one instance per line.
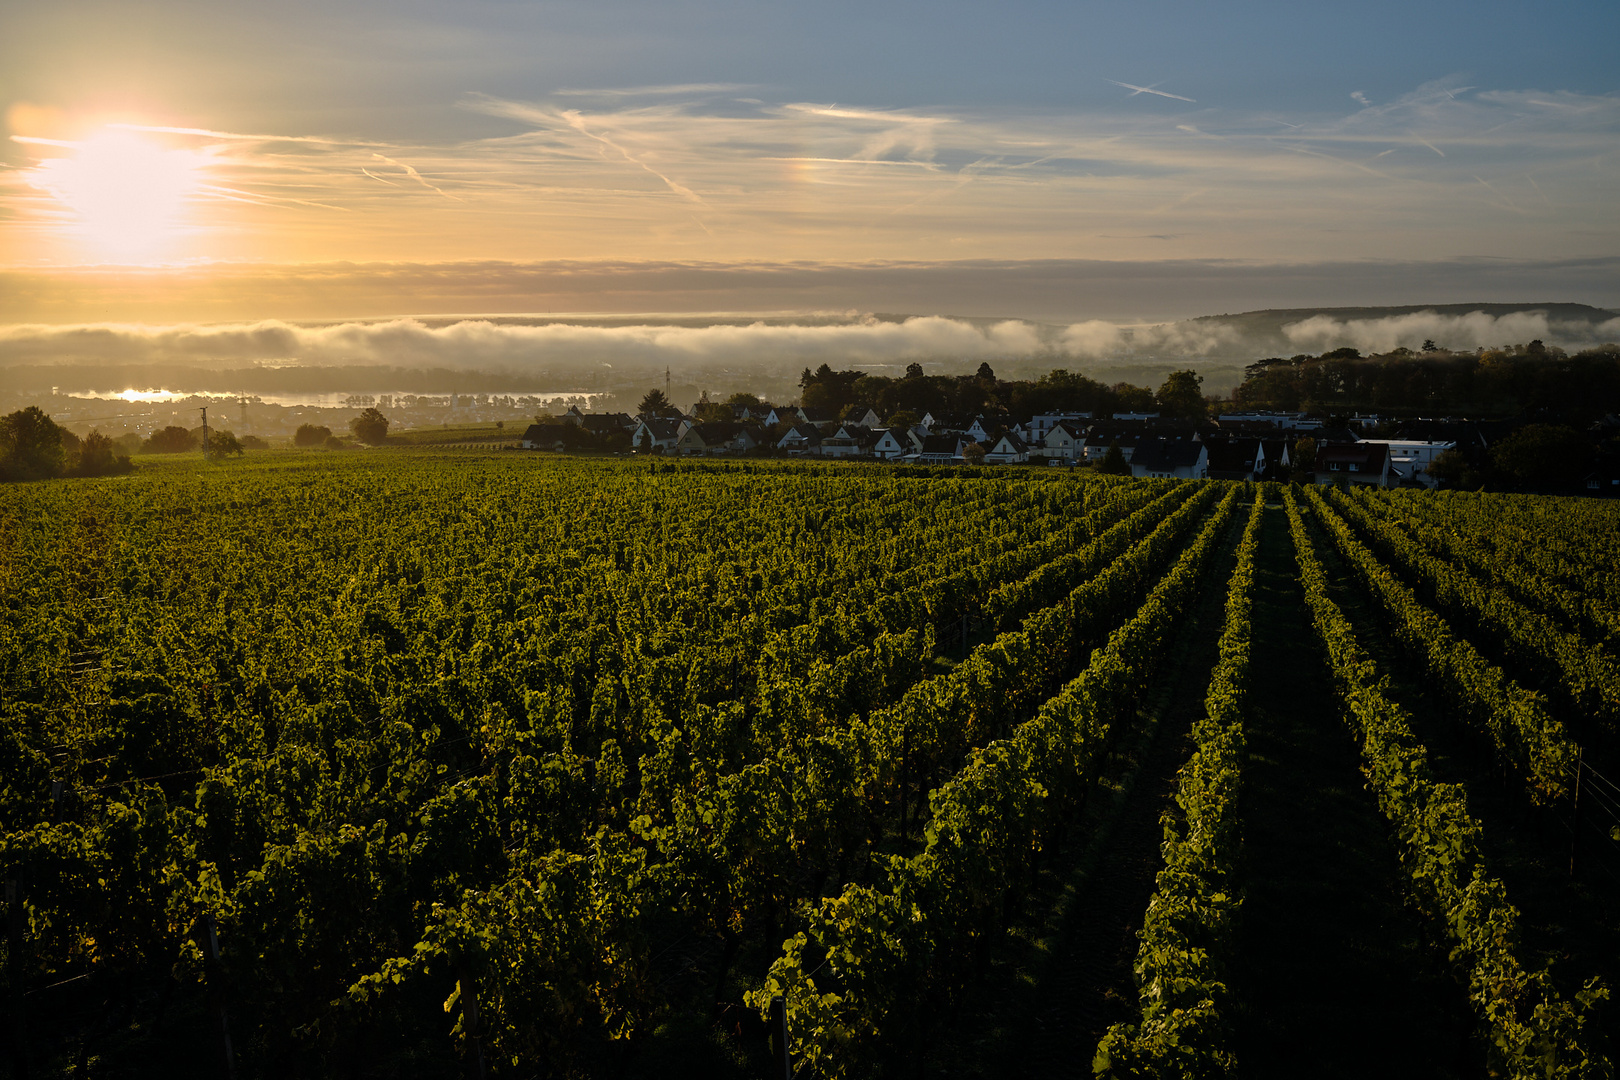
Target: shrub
311	435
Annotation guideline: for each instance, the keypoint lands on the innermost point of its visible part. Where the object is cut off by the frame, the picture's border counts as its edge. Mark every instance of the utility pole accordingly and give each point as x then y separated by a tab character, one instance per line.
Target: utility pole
205	432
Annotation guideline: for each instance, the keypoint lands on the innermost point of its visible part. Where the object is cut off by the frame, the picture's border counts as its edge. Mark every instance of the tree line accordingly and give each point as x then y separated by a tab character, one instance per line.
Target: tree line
1499	382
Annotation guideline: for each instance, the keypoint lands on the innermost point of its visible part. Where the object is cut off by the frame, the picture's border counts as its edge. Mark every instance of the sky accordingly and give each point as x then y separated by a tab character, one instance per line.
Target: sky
173	160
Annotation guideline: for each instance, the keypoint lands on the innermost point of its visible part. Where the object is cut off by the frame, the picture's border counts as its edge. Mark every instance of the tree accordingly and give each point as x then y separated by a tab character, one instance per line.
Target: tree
100	456
223	443
1429	346
905	418
311	435
171	440
334	443
1541	456
30	445
654	404
1113	462
370	427
1181	396
1303	458
973	454
914	370
713	412
742	397
986	372
1450	468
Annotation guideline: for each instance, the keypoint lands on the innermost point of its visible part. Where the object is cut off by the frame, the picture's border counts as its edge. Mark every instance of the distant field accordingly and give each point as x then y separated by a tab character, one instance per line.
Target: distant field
570	765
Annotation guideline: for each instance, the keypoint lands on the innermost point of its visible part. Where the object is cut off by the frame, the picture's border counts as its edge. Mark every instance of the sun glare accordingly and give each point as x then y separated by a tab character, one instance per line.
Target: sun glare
128	194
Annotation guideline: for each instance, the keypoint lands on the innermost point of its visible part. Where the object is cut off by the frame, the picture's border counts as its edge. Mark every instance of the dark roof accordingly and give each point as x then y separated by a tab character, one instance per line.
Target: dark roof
1232	455
662	427
606	422
940	444
719	431
1165	455
1369	456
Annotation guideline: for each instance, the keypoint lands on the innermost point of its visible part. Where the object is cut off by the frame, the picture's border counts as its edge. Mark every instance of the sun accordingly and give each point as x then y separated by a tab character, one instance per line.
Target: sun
127	195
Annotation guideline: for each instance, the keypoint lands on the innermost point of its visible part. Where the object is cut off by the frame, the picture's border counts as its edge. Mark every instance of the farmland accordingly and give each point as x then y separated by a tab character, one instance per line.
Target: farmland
405	763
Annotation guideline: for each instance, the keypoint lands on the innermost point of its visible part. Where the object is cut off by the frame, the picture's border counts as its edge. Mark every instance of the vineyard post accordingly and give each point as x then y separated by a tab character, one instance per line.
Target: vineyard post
905	765
470	1017
779	1036
1575	812
205	432
14	1017
216	990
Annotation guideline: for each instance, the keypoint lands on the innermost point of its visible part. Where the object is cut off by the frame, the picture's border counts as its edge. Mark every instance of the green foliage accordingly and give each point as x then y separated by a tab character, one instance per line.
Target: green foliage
30	445
1180	396
370	427
1532	1031
311	435
171	440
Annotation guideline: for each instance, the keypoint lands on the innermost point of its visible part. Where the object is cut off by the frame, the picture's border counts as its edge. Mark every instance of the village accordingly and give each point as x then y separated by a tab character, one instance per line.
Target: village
1231	446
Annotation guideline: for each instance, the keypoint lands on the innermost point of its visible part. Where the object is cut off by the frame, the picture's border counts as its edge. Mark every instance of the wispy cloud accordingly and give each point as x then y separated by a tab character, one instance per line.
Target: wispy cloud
675	172
1134	90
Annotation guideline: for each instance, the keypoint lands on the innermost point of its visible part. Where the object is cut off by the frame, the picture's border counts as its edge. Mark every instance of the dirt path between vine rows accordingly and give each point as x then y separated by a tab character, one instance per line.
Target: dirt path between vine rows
1334	975
1076	978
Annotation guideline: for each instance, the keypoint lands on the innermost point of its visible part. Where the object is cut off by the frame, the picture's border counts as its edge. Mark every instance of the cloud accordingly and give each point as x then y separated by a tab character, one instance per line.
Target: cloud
1474	330
681	172
486	345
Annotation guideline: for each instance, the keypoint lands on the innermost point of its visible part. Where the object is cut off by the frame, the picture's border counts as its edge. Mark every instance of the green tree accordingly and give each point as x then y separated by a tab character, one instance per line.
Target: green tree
973	454
223	443
311	435
1303	459
171	440
1540	456
370	427
986	372
744	398
1113	463
30	445
914	370
100	456
905	418
654	403
1451	469
1181	396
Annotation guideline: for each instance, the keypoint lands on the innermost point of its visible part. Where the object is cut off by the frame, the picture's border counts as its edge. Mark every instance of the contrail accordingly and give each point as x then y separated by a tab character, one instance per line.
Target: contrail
414	175
1134	90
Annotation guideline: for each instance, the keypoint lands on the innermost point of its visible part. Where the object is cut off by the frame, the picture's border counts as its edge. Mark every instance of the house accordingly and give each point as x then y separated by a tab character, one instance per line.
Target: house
658	432
1009	449
1410	459
604	424
1040	424
718	437
941	423
1279	458
1363	463
540	436
801	439
1095	449
1183	459
1062	442
573	415
896	443
939	450
850	440
1236	459
822	418
781	414
869	419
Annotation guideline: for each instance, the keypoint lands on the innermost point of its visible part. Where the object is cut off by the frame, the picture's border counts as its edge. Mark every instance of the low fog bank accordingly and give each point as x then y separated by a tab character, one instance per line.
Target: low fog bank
620	357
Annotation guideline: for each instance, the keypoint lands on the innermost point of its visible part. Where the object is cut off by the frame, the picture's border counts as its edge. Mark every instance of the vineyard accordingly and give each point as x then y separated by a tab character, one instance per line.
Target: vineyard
480	765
